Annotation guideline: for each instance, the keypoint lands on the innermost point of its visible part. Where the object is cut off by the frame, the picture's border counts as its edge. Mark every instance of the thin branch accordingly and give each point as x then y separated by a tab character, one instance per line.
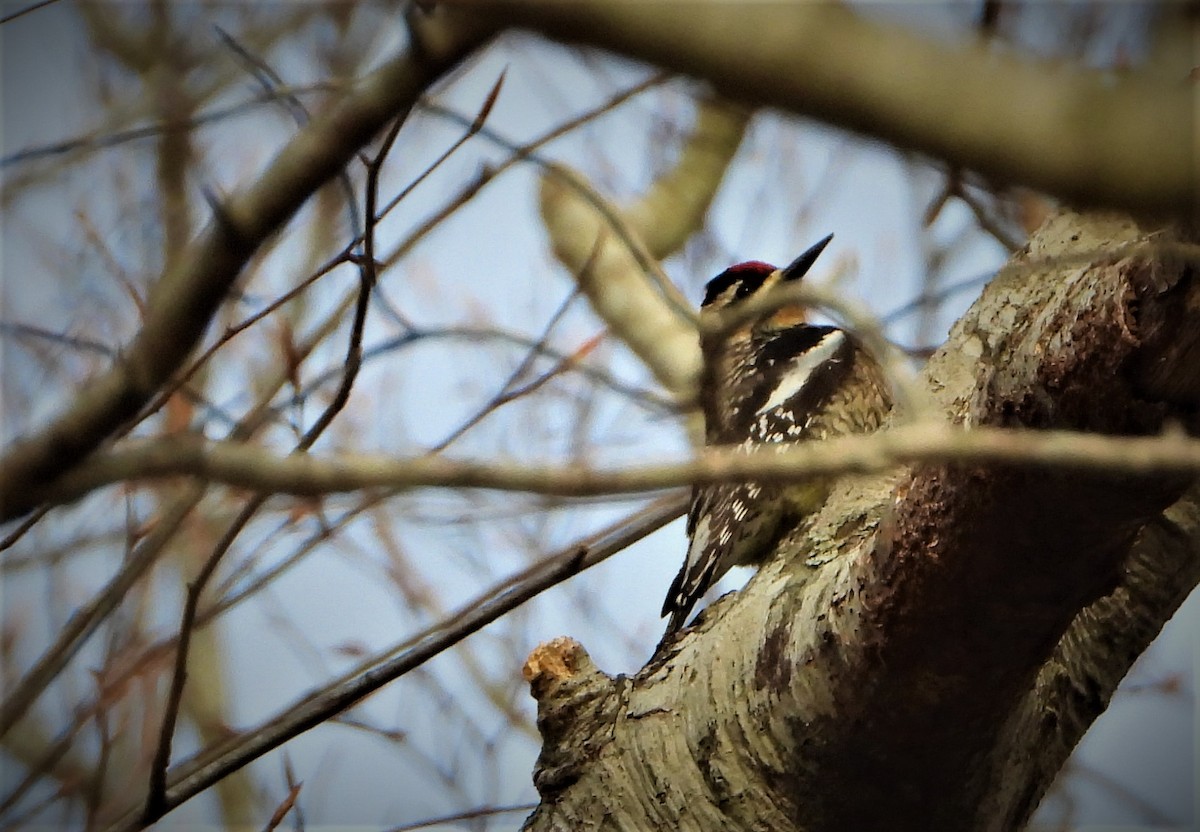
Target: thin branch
186	297
238	464
935	298
23	527
157	781
473	128
231	332
650	399
520	153
987	222
271	82
285	806
470	814
150	131
33	7
19	329
196	775
506	393
155	806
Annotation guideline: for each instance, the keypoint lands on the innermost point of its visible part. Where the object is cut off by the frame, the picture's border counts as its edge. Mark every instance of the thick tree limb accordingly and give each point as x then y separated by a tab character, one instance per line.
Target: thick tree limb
926	651
1075	685
1088	137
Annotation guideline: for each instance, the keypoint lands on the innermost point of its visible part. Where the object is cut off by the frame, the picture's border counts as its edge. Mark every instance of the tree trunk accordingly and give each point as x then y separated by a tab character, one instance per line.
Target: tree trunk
927	650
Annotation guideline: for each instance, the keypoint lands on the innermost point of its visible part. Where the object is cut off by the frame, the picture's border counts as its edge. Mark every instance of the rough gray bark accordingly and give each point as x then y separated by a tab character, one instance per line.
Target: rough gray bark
927	650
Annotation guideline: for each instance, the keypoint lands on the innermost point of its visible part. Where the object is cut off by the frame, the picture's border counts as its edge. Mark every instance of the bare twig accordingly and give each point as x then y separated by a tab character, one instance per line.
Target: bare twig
23	527
470	814
32	7
506	393
987	222
149	131
156	796
194	776
191	291
284	807
19	329
942	294
156	792
644	397
271	82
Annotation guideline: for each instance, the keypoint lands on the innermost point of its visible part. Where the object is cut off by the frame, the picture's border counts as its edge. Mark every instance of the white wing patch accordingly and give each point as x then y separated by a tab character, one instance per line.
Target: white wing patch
700	538
793	381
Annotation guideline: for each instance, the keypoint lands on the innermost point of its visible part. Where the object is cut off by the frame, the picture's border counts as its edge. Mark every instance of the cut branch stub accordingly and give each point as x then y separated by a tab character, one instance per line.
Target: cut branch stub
572	696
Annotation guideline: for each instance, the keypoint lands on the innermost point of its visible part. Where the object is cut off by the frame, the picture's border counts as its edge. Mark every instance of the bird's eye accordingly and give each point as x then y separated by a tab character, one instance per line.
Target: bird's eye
747	287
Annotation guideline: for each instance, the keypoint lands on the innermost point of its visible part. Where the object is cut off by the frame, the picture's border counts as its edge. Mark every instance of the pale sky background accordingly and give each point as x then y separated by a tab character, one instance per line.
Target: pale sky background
490	262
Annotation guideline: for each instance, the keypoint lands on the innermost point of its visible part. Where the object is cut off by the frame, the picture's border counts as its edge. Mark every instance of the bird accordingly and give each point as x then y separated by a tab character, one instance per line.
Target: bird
774	380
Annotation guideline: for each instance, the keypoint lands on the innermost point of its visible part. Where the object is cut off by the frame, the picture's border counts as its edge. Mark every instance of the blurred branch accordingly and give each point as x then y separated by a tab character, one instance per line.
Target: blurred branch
471	814
508	390
614	253
156	801
186	297
272	82
193	776
1086	136
256	469
89	616
97	140
32	7
956	186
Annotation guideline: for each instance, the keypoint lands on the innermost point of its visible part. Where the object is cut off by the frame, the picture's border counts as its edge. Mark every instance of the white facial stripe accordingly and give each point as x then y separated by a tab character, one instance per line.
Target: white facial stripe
802	369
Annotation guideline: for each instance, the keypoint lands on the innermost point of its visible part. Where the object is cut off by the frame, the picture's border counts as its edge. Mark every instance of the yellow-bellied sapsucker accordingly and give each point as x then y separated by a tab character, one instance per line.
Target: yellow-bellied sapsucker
774	380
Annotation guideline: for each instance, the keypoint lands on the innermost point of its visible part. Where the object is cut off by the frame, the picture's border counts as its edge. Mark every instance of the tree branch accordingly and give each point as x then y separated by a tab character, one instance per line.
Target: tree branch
260	470
925	651
1088	137
614	253
198	773
186	297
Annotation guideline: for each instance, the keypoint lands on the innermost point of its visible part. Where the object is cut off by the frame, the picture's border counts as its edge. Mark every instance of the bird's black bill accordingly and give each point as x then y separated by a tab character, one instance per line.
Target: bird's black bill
800	266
